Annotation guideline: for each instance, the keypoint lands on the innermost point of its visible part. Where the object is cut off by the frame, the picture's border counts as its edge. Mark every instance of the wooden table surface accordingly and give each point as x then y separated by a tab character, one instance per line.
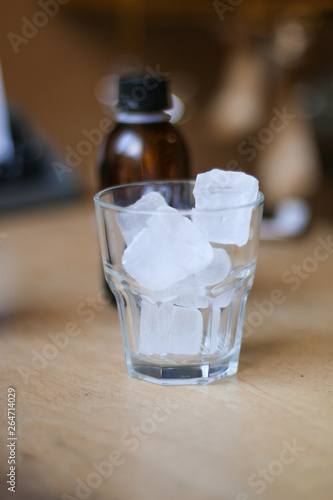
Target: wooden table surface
85	429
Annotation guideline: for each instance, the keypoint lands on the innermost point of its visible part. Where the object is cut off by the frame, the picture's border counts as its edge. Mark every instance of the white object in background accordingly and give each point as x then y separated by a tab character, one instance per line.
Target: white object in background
6	143
291	218
239	105
289	166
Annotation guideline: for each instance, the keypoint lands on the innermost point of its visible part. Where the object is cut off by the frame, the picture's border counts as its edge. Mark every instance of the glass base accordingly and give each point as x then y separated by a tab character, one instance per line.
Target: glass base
194	374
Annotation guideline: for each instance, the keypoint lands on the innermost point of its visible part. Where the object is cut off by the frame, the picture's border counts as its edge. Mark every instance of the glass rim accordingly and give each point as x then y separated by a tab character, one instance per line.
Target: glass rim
112	206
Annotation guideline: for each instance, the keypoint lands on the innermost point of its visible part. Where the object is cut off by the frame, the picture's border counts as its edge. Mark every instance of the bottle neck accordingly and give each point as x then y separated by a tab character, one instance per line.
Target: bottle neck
142	117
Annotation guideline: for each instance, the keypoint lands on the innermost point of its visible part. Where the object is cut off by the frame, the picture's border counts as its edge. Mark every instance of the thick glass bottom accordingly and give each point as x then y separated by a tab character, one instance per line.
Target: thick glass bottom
182	374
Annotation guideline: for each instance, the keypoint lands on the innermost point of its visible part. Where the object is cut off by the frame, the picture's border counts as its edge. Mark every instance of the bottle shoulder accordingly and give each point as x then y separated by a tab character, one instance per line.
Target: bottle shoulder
145	133
138	152
138	128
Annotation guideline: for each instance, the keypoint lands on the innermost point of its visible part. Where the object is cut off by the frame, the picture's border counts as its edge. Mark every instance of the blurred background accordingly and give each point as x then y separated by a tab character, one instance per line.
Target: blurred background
254	88
253	81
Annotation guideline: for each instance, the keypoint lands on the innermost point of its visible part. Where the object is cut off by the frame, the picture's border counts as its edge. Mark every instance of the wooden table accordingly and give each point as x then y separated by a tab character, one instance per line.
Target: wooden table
85	429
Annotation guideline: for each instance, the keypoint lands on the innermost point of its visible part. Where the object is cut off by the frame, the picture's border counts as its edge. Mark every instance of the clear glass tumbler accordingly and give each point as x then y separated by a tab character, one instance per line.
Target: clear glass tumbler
180	290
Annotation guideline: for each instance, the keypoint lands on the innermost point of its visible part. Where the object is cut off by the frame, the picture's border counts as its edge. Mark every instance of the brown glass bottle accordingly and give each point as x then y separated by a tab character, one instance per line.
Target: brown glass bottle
136	152
143	145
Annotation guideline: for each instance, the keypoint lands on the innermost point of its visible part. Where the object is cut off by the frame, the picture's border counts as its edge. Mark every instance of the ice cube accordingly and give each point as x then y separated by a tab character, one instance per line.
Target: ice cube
216	271
217	305
167	250
164	295
169	329
213	330
218	190
222	189
191	291
131	223
153	334
223	299
185	331
187	295
191	296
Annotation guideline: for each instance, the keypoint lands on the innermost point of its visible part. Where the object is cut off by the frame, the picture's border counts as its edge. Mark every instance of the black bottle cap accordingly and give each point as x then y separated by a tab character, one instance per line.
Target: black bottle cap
143	93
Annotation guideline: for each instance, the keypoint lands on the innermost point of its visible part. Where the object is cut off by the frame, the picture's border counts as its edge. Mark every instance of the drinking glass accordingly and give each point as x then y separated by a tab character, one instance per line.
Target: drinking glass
180	323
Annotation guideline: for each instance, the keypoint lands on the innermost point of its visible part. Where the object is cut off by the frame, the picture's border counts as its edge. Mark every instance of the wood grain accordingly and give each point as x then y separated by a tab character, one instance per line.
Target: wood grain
80	410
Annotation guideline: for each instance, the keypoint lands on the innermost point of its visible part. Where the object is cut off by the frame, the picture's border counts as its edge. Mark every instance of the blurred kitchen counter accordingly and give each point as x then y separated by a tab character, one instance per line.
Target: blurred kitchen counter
82	422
